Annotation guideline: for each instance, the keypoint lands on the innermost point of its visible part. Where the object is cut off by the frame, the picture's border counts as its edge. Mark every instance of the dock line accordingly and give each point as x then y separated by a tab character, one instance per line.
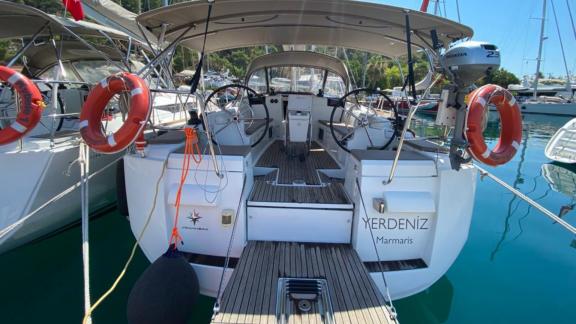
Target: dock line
527	199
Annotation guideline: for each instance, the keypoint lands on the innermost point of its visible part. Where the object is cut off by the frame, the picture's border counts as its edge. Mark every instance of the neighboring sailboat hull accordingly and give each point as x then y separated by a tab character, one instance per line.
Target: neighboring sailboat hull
35	176
547	108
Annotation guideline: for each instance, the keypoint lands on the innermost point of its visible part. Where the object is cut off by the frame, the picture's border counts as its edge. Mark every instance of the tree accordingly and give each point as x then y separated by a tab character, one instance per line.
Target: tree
500	77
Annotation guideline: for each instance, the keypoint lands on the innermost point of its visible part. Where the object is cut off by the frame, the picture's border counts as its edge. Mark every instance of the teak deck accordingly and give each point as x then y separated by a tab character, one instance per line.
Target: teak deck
250	296
297	178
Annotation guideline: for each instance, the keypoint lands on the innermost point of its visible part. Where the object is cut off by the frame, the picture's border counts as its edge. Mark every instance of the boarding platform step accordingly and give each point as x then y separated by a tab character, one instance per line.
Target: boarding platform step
285	282
299	213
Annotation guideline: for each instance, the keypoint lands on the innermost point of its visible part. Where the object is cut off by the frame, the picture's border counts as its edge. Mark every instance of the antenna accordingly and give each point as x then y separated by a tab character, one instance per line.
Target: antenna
568	86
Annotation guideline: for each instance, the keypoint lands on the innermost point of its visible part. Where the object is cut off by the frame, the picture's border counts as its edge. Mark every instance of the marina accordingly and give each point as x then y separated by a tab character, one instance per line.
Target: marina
223	161
530	246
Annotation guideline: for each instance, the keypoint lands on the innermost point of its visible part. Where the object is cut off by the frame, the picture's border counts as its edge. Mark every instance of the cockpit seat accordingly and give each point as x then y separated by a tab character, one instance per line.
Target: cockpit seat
424	145
255	126
339	128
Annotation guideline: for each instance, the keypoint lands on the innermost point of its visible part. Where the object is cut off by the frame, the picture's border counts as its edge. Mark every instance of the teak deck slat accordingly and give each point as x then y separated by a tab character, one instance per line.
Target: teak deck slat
250	296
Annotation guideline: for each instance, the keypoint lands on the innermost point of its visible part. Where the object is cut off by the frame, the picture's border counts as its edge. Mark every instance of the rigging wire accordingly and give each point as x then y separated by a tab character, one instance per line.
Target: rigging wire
216	307
13	226
561	44
393	312
571	18
458	10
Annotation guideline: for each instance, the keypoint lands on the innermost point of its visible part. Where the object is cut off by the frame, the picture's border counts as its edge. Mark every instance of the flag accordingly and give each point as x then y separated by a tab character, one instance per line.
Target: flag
74	7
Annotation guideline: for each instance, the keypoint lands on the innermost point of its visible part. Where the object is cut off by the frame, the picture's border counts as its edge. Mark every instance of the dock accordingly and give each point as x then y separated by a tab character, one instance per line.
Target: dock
285	282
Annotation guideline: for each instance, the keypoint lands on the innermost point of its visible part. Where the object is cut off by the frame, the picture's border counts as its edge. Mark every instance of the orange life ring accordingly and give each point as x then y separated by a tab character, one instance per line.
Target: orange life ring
95	104
510	119
31	106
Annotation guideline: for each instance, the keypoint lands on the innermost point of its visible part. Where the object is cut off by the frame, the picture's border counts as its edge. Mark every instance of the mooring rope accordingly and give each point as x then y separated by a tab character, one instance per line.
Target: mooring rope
527	199
84	161
134	248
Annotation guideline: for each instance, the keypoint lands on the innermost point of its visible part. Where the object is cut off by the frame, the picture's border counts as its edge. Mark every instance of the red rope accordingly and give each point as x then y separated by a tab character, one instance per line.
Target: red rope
190	146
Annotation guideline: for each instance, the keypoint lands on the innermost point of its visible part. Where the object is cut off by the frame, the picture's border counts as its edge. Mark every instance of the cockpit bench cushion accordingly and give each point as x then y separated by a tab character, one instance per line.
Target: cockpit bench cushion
256	126
384	155
170	137
230	150
425	145
340	128
178	137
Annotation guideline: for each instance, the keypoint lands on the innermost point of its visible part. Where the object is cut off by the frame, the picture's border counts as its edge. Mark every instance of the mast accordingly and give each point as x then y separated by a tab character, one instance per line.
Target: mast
568	86
539	59
571	18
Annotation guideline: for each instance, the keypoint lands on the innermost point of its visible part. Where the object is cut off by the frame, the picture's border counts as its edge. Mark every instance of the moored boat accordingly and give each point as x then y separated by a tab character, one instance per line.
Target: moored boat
274	172
41	161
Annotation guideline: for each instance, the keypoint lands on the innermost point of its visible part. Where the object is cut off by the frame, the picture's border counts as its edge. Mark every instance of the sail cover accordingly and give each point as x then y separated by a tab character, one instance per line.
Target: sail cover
109	13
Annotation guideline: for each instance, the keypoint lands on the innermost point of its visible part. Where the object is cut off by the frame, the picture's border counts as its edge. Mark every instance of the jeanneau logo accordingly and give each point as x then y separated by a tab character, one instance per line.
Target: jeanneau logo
195	217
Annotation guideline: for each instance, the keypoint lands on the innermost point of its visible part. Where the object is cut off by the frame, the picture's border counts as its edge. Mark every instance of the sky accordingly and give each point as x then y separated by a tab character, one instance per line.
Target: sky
514	26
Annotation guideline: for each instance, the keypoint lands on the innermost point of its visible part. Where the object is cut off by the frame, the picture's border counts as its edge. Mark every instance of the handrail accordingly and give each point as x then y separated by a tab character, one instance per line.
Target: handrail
411	113
61	82
46	116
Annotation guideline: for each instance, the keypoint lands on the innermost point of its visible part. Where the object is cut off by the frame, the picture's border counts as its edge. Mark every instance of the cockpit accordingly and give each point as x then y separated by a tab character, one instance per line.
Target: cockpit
302	99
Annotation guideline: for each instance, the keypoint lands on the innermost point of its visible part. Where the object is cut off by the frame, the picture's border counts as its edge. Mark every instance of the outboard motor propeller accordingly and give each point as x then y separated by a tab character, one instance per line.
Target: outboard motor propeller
165	292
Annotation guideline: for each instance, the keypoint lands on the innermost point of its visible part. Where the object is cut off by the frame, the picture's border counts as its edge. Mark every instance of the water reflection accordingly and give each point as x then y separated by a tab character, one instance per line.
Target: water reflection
431	306
513	251
562	178
517	182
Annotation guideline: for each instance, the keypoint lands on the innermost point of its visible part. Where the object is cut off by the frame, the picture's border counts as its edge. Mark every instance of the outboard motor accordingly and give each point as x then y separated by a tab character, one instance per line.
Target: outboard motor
464	63
469	61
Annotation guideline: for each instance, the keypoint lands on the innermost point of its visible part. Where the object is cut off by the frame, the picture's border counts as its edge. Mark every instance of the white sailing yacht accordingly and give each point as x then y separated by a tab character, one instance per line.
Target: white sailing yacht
546	100
40	170
292	200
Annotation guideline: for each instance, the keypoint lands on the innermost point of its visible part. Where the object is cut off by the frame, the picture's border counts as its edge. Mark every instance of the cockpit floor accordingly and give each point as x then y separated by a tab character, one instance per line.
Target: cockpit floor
297	178
296	163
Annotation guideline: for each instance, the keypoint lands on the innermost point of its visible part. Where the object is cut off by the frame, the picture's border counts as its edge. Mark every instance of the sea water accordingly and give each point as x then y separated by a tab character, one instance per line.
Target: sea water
518	266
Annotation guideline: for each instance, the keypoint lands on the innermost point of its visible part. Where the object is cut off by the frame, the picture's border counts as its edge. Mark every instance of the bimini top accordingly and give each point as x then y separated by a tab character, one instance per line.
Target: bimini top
18	20
350	24
39	57
300	59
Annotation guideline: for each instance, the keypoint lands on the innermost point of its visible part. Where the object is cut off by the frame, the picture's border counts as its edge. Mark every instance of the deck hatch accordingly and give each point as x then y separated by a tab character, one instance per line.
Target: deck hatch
303	296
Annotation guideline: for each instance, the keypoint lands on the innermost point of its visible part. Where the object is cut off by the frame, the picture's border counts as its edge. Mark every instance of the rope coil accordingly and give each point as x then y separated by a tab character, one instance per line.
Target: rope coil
191	152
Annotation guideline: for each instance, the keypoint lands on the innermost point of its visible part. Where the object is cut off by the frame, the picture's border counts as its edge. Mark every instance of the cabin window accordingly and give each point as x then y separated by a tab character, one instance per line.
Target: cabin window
50	74
296	79
335	86
258	81
94	71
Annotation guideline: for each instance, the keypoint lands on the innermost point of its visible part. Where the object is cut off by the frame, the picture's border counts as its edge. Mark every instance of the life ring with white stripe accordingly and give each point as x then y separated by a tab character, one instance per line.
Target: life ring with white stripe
95	104
31	105
510	120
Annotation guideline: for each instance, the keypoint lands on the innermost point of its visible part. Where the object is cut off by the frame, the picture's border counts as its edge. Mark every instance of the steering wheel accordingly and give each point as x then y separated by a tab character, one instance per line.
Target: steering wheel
46	97
229	99
356	113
